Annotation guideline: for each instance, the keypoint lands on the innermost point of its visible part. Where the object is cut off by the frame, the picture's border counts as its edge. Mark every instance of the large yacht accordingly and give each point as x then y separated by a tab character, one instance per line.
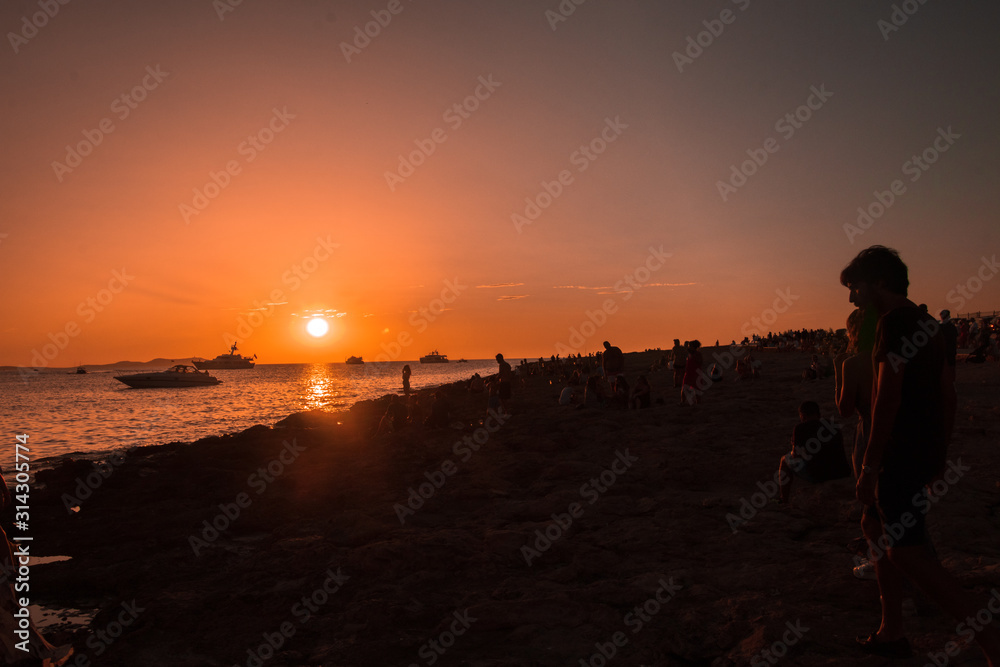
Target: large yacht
434	358
225	361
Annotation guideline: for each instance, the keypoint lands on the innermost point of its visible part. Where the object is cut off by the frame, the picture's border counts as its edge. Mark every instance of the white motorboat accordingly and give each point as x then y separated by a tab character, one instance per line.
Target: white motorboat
180	375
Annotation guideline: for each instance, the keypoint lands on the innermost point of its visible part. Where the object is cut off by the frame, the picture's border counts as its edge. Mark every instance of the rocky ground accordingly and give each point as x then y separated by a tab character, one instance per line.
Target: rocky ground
561	535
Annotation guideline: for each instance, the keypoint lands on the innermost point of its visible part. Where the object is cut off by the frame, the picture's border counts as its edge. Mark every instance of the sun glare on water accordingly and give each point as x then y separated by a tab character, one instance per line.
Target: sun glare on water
317	327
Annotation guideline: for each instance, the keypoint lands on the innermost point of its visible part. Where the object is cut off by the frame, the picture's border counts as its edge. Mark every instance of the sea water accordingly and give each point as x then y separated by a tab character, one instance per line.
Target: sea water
91	414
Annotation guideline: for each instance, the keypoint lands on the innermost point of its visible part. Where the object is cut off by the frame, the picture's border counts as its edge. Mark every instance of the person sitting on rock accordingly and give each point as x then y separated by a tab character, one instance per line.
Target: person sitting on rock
817	452
438	418
566	395
395	416
715	373
641	394
620	393
593	394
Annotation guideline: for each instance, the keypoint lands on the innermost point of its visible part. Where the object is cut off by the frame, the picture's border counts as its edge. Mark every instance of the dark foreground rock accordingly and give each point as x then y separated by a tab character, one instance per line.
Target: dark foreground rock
562	536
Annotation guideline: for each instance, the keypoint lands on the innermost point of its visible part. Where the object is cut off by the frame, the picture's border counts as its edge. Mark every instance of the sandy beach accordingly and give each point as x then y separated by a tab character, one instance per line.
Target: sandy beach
556	536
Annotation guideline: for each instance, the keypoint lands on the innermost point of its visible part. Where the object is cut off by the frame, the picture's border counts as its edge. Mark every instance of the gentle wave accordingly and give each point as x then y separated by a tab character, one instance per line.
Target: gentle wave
91	414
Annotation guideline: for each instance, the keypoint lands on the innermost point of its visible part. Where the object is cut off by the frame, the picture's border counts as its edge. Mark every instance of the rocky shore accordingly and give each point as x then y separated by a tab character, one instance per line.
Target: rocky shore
557	536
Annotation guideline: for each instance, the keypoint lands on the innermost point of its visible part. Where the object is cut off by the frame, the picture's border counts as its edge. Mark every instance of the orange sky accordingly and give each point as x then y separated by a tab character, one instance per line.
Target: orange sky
307	220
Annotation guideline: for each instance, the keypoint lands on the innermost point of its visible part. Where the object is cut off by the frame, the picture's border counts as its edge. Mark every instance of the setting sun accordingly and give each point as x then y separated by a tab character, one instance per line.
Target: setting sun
317	327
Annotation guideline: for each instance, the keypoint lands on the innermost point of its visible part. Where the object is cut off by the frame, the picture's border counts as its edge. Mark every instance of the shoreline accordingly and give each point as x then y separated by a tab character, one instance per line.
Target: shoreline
166	424
321	518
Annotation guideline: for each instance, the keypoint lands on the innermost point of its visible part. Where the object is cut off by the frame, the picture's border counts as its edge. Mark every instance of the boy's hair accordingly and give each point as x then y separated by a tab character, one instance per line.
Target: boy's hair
809	409
875	265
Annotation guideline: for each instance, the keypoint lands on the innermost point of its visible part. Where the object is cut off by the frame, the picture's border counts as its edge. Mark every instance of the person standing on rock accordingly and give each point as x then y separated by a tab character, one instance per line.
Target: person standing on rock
406	381
690	392
613	362
680	355
505	378
905	451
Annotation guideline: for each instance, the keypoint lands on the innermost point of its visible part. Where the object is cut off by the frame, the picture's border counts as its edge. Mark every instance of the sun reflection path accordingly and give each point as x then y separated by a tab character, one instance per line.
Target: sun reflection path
320	389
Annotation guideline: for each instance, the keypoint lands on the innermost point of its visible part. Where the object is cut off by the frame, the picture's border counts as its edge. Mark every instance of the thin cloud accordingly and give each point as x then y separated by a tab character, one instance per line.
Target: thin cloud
512	297
494	285
624	289
320	313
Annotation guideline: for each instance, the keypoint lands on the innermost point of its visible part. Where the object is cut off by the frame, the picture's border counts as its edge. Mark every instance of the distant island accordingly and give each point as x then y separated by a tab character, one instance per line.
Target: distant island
159	362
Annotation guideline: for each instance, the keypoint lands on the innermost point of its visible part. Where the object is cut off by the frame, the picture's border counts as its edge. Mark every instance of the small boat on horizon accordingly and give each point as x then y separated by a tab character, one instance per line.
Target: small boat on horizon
229	361
180	375
462	361
80	370
434	358
354	361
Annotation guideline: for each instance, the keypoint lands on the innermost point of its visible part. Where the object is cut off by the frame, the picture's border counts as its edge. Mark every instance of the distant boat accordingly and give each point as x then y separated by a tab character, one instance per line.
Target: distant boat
434	358
354	361
225	361
462	361
80	370
178	376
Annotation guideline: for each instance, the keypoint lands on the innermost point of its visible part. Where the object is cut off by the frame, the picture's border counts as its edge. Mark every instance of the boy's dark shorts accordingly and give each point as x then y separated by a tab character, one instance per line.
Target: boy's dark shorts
902	506
801	469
